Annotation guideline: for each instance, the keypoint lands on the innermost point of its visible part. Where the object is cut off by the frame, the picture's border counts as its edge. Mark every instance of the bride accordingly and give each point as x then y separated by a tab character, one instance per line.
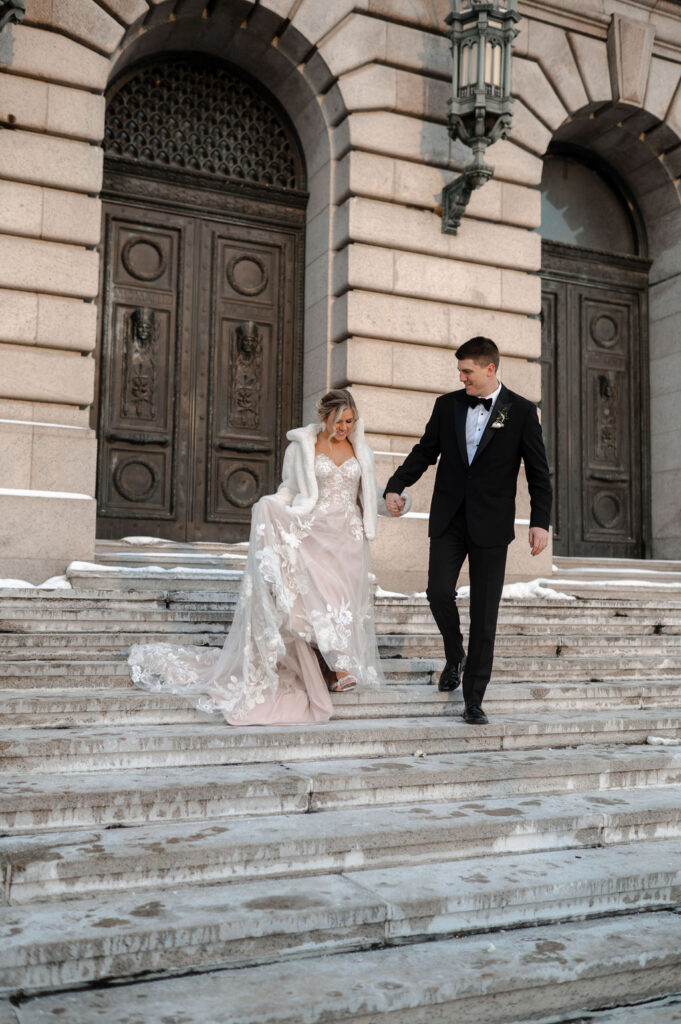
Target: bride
304	618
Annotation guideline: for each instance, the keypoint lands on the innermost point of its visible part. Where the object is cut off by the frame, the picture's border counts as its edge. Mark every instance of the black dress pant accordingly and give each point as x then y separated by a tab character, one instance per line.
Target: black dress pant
486	569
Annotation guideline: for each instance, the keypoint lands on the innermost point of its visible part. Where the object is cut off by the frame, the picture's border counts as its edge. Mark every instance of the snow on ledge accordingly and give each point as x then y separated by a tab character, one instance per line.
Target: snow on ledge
150	571
534	588
54	583
512	591
11	492
141	541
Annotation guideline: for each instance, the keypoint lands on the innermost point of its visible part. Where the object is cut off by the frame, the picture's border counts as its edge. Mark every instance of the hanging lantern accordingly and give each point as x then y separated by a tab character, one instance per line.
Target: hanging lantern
481	34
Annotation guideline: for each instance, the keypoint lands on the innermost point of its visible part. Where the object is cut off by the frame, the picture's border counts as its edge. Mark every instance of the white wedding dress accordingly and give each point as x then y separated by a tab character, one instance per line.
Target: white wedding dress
306	584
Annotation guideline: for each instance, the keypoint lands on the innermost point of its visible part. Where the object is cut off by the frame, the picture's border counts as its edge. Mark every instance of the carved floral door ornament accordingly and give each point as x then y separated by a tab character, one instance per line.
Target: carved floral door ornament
200	361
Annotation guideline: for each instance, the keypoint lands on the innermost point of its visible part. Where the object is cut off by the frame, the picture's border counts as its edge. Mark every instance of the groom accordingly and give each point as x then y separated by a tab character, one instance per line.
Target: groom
481	433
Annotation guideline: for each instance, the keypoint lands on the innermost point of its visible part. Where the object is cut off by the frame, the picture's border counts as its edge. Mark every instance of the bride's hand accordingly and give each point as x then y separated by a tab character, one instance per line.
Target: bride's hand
394	503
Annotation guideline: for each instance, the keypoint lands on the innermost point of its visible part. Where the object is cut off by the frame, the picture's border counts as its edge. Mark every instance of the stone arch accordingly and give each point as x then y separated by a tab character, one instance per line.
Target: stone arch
101	40
252	39
577	90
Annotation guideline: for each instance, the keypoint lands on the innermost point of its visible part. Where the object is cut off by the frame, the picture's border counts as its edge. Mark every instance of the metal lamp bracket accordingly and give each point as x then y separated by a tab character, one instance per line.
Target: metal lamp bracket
12	12
456	195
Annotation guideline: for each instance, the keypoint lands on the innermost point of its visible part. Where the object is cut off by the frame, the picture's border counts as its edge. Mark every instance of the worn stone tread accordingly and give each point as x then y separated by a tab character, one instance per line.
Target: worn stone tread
113	705
101	748
201	927
660	1011
148	856
136	796
487	979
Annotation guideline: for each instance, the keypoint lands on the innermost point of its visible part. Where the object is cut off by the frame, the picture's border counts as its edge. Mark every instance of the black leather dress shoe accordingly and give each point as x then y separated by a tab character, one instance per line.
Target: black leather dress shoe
450	677
474	715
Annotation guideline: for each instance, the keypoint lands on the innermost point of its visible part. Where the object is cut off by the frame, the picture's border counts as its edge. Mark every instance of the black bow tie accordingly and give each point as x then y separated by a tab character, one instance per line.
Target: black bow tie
474	400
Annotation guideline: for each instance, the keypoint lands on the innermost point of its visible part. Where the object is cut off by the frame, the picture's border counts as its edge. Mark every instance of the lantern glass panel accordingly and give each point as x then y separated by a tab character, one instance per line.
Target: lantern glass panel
473	65
496	68
489	64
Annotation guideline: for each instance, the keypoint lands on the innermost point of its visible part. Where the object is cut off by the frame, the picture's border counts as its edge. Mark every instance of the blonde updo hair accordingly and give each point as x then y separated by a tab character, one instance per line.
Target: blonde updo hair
332	404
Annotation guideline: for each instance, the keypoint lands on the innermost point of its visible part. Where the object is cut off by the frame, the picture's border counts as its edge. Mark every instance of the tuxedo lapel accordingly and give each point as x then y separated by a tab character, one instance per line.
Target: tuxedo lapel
488	433
460	411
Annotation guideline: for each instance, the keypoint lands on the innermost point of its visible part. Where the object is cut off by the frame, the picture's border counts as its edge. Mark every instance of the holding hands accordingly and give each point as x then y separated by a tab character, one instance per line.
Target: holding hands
394	503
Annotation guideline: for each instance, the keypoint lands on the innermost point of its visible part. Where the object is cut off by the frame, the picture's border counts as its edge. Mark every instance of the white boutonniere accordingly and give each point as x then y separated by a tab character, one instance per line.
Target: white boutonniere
501	419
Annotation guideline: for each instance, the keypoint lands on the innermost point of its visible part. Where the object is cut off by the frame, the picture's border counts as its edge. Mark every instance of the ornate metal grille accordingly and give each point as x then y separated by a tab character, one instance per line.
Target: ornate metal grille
201	118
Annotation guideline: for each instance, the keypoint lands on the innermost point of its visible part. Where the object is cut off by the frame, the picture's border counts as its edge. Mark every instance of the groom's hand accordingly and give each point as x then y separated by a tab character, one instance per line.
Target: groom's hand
538	539
394	503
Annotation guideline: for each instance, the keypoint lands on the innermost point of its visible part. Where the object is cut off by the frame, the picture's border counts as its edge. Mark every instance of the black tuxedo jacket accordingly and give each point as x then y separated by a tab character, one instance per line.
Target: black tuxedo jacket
488	484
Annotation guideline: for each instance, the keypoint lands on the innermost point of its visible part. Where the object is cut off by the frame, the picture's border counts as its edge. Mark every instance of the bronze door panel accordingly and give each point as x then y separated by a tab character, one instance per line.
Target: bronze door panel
199	373
610	420
244	366
139	362
594	410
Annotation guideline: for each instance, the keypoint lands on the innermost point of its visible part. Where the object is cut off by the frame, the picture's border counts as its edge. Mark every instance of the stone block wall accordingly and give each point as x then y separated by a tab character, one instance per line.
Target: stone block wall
51	117
388	297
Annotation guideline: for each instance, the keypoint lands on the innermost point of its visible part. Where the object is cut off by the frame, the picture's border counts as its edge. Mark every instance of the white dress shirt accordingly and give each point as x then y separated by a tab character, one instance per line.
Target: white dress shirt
476	420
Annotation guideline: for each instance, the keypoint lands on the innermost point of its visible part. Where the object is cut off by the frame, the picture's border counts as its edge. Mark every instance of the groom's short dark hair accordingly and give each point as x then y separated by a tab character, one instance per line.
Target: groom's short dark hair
480	350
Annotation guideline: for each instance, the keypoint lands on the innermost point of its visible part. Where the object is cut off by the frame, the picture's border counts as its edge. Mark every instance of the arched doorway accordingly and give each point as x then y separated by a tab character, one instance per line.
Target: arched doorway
594	359
200	362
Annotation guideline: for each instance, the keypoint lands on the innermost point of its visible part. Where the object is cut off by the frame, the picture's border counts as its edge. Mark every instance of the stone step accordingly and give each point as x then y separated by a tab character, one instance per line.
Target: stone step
26	674
83	646
59	945
659	1011
660	587
94	643
114	703
154	577
168	559
395	606
507	669
92	748
107	547
571	565
68	864
163	623
141	796
162	618
549	645
152	612
496	978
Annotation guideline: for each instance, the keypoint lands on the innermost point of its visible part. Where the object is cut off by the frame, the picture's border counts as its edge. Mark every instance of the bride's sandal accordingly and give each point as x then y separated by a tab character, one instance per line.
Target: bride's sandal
343	684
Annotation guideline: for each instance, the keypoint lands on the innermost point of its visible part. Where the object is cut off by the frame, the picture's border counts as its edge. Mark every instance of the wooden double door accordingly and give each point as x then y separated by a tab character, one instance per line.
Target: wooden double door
200	362
595	400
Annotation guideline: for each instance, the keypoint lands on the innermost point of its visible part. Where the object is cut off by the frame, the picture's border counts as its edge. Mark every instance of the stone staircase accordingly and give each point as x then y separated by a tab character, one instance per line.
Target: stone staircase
159	867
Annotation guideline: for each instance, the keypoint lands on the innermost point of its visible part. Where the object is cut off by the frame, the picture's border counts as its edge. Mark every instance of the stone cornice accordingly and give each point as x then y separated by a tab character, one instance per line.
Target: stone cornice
593	20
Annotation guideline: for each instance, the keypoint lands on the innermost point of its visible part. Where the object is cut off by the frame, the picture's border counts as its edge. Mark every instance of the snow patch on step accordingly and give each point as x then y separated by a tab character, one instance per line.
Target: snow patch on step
538	588
54	583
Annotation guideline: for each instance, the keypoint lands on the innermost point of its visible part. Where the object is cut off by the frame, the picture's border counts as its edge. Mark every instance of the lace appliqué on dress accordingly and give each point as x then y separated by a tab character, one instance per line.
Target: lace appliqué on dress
306	578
